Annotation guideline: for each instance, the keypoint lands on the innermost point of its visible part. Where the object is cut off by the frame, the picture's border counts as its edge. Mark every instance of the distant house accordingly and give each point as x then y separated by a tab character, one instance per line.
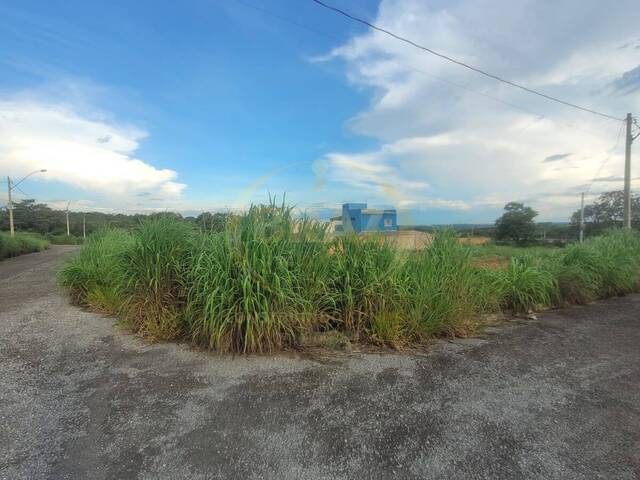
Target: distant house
356	217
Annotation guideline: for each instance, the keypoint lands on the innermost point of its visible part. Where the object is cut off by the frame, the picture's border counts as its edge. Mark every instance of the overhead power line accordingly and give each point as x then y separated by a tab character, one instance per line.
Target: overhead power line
538	115
604	162
458	62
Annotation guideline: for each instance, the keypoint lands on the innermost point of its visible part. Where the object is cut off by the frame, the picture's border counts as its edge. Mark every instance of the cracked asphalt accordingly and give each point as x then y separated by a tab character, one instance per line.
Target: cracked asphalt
552	398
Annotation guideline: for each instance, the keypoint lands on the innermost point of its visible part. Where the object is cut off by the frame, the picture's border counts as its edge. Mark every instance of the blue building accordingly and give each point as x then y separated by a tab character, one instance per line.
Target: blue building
356	217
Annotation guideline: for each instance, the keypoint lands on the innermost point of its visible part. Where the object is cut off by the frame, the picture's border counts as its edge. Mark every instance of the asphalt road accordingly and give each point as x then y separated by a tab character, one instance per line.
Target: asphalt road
553	398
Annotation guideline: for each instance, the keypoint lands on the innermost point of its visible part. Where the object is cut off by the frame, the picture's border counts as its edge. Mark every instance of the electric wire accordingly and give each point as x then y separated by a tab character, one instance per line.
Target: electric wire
604	162
458	62
538	116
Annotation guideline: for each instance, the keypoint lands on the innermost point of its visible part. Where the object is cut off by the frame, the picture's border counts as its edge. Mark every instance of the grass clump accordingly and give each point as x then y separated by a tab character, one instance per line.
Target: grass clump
156	263
20	244
525	285
94	276
64	239
269	280
259	285
443	289
364	286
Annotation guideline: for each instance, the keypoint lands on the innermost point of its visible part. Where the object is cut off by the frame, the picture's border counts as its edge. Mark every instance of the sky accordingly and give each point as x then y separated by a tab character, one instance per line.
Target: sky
215	104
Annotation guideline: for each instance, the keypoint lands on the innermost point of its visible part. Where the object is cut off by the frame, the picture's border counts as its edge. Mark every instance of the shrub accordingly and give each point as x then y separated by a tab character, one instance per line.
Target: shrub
524	286
269	279
20	244
64	239
155	265
260	284
442	288
364	282
95	275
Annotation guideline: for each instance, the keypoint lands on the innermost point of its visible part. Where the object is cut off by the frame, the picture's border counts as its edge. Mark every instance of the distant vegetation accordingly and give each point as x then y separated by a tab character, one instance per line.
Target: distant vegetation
266	281
30	216
20	243
603	214
517	225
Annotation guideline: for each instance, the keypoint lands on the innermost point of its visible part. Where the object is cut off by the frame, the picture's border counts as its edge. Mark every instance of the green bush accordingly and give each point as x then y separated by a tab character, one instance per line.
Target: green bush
64	239
260	284
95	275
524	285
269	280
20	244
443	290
152	280
364	283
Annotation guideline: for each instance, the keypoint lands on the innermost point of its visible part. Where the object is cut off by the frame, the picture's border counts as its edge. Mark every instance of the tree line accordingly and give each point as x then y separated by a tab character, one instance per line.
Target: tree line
517	223
30	216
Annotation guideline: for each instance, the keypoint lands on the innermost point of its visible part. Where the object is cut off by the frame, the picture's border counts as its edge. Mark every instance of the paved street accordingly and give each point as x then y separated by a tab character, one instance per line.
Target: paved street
552	398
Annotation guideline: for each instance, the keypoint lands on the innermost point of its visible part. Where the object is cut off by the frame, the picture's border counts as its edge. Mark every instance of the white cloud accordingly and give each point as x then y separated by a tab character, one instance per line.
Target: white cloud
442	143
93	155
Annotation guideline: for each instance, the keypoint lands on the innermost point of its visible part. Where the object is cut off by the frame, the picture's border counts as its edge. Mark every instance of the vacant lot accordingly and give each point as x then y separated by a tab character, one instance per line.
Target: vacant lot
555	398
269	280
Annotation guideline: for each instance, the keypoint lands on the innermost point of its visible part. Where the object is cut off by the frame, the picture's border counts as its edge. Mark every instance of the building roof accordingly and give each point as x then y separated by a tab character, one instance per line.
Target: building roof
376	211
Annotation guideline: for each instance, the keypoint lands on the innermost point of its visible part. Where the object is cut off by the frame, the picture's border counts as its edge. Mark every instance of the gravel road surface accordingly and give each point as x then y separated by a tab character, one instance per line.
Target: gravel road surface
552	398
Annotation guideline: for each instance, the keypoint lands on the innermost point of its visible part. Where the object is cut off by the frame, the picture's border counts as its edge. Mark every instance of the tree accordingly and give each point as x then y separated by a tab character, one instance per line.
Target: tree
516	223
607	211
215	222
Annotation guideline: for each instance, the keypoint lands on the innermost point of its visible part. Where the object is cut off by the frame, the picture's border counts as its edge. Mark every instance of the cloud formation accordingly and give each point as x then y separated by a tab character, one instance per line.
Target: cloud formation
89	154
450	134
557	157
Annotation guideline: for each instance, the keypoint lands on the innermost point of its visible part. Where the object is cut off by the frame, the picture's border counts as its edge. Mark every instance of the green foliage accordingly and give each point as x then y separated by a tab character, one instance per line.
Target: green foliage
95	275
20	243
364	281
269	280
525	285
441	288
516	223
64	239
606	212
260	284
152	280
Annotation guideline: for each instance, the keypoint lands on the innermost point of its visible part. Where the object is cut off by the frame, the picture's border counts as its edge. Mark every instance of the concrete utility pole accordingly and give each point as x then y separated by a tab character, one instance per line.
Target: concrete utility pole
10	205
627	174
582	218
10	187
84	225
68	234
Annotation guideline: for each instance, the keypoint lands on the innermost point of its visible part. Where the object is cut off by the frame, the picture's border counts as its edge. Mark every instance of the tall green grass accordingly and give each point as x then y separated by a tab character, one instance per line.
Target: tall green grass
20	244
260	284
269	279
95	275
444	293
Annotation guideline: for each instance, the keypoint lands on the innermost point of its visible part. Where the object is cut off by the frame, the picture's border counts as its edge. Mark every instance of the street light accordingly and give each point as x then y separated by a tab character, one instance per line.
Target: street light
11	187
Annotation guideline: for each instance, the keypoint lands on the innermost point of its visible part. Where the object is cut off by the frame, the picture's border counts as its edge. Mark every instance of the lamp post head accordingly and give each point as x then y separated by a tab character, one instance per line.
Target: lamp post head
43	170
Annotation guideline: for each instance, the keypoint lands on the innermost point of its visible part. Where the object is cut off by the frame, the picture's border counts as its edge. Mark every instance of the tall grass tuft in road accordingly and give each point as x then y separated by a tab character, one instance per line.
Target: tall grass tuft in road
260	284
152	281
443	290
95	275
270	278
20	244
525	285
365	288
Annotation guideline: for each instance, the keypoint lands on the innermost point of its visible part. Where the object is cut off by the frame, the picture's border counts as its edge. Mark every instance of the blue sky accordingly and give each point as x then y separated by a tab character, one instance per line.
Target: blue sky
136	106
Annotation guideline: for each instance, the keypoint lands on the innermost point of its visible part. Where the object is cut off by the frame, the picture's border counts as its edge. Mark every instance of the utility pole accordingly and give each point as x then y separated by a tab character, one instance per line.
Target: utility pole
68	234
627	175
84	225
10	206
10	187
582	218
